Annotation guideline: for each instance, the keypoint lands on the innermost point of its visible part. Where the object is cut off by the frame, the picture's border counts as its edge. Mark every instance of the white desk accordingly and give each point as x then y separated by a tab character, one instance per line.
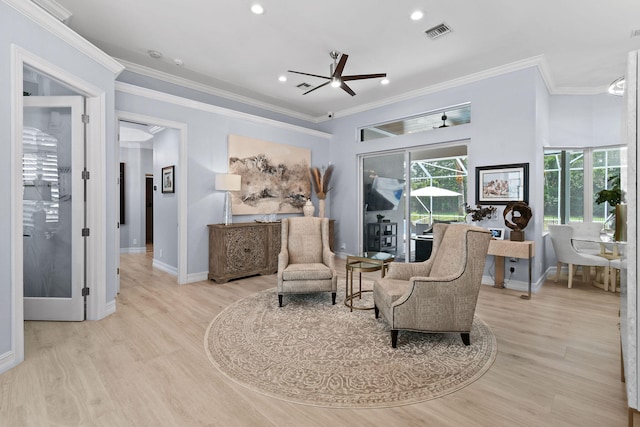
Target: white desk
507	248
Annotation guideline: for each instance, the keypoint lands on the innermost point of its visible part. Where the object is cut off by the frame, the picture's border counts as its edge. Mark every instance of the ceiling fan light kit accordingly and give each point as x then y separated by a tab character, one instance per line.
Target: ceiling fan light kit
336	79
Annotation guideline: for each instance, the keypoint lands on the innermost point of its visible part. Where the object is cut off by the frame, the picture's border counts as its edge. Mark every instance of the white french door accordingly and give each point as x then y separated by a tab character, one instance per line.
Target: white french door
53	208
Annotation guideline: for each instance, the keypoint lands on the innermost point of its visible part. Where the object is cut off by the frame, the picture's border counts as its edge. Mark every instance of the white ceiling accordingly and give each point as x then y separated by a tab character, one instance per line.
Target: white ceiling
580	45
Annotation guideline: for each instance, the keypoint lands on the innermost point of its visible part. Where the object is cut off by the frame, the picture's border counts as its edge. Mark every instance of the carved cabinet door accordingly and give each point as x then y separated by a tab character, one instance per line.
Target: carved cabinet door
246	250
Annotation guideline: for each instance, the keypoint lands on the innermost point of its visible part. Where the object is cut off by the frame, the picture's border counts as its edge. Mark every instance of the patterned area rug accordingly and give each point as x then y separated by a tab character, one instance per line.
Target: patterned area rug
315	353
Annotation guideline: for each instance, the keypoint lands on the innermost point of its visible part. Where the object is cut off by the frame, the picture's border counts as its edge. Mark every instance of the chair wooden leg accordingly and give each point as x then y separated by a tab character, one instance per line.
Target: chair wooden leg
394	338
376	311
333	298
605	280
570	282
558	269
466	338
280	300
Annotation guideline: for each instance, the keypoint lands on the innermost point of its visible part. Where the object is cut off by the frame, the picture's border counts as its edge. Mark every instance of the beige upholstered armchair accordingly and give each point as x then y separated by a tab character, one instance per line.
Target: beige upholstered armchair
305	263
440	294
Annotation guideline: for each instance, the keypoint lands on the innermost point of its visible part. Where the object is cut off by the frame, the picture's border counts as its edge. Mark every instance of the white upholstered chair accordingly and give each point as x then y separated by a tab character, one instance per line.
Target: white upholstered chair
566	253
440	294
305	263
585	235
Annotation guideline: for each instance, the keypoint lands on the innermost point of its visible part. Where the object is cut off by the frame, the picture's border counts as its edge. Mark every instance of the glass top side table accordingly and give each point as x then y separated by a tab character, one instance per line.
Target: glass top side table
364	262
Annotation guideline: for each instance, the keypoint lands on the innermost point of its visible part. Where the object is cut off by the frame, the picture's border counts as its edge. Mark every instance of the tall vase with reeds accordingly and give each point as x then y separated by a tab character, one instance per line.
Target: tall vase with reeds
320	178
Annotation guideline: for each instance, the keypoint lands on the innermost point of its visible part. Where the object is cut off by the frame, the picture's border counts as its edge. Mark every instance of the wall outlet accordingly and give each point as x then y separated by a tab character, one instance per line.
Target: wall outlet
512	270
135	241
343	246
160	253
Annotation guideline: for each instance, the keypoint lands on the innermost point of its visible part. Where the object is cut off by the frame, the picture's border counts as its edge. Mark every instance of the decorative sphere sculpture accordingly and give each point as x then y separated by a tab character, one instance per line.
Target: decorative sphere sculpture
516	217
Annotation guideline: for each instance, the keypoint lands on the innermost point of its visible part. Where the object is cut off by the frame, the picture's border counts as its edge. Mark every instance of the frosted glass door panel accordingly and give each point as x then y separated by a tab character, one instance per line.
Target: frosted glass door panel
53	250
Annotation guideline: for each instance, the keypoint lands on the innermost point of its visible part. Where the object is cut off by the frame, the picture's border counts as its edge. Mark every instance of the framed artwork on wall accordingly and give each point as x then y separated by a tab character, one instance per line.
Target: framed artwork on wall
501	184
168	179
275	177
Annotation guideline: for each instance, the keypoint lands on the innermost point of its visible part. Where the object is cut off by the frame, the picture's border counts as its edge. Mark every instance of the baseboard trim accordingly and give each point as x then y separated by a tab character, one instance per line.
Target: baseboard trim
110	308
7	361
198	277
165	267
516	285
141	250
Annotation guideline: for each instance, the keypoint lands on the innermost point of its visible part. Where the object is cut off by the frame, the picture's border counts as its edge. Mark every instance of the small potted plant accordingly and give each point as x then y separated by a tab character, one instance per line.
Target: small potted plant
614	196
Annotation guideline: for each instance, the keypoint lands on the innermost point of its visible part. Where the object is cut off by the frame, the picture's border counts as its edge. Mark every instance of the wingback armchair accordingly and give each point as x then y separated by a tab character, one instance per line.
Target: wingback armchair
440	294
305	263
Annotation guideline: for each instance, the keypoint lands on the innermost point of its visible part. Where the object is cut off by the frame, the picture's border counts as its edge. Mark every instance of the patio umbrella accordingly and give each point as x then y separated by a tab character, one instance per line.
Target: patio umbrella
431	192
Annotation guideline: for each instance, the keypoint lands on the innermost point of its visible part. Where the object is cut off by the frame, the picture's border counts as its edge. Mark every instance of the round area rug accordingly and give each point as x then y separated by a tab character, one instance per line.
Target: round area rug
312	352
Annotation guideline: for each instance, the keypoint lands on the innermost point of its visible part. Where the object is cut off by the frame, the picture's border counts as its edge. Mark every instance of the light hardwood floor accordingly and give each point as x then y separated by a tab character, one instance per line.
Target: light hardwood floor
558	364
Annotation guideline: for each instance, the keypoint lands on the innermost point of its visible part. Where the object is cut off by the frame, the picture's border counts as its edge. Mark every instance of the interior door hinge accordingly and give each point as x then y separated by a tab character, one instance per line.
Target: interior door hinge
118	270
85	232
85	118
85	174
85	292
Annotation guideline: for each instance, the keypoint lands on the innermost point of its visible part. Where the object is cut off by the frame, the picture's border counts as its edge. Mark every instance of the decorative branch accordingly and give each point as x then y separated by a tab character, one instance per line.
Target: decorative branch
320	180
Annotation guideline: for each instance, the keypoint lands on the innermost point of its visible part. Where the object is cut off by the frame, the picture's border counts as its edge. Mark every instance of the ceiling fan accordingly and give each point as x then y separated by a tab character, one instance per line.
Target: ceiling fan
337	79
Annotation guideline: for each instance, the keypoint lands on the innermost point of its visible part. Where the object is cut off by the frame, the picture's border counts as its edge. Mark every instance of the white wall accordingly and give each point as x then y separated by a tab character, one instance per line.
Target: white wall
166	152
584	121
208	129
502	131
19	30
138	162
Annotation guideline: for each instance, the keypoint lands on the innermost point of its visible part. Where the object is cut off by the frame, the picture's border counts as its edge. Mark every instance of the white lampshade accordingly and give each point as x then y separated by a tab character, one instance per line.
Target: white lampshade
228	182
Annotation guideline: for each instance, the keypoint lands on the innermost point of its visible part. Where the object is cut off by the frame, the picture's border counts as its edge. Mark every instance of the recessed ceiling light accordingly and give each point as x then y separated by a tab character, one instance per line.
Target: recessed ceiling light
417	15
154	54
384	81
257	9
282	78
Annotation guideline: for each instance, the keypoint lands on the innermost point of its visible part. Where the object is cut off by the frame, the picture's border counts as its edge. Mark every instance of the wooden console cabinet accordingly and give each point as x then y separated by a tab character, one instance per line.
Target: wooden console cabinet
245	249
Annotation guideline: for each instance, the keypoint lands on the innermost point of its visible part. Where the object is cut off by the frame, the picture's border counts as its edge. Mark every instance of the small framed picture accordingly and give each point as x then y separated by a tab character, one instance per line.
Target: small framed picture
497	233
501	184
168	179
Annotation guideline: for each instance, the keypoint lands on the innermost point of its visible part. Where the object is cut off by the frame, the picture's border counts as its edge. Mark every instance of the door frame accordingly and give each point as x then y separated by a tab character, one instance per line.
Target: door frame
406	151
181	193
95	107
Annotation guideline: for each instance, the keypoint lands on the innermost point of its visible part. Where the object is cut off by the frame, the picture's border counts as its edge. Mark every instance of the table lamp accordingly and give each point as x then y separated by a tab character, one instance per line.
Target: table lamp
228	182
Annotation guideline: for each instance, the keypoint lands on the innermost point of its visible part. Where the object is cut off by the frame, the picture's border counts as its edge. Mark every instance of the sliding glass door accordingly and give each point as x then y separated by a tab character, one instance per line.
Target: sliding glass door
408	191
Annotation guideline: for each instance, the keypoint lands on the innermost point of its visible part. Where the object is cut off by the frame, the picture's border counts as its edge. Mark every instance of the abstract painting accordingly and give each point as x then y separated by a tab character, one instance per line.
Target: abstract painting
275	177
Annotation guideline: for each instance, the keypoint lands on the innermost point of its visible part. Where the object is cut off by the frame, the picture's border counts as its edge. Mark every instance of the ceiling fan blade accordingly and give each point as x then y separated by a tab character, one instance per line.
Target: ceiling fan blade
317	87
363	76
307	74
347	89
340	67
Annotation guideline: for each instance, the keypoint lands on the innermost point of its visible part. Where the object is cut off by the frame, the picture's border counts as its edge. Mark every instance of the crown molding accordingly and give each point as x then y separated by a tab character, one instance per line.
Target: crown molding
55	9
536	61
201	87
202	106
38	15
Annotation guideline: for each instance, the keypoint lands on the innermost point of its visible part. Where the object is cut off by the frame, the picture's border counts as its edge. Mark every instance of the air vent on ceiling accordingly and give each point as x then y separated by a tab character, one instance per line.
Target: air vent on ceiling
304	85
635	33
438	31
